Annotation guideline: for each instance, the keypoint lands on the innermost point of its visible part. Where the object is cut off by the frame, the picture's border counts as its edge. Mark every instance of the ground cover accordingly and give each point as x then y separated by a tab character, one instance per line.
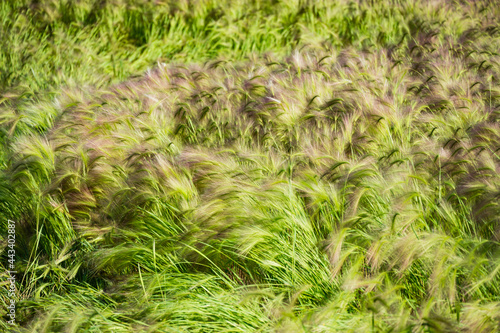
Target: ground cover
293	167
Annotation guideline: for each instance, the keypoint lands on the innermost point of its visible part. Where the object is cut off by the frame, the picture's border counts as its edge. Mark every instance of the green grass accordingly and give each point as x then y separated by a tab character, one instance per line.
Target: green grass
252	166
95	42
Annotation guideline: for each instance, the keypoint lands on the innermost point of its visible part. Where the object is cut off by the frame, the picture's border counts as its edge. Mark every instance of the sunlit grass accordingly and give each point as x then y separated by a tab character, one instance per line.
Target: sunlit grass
253	182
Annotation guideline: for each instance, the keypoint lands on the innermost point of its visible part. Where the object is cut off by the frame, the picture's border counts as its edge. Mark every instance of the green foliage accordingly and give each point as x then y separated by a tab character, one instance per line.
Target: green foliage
295	167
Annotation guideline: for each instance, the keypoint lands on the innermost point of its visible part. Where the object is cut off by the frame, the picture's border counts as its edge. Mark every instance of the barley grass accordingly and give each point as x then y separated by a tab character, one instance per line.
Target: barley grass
305	167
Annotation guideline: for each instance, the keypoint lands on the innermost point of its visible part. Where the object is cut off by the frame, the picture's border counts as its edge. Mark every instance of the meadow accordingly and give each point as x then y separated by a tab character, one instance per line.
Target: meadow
251	166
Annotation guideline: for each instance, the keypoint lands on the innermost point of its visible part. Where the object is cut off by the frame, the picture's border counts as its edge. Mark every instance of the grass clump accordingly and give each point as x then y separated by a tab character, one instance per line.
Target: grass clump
347	185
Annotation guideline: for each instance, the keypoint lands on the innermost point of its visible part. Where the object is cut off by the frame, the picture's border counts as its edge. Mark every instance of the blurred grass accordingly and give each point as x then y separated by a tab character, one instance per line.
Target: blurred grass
49	43
281	166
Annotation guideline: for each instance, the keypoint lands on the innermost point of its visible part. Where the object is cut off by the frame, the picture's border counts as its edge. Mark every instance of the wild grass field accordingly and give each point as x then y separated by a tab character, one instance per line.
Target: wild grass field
251	166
